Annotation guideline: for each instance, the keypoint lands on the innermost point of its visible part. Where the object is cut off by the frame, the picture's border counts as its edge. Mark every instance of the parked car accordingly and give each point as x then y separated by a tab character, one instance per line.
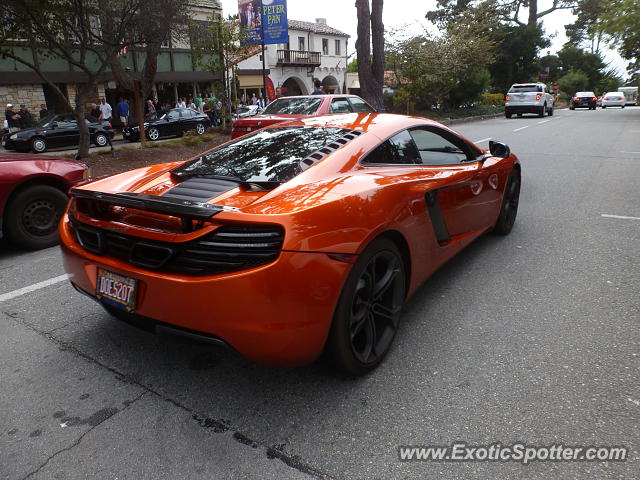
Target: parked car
175	122
245	111
613	99
336	220
528	98
290	108
583	100
33	196
56	130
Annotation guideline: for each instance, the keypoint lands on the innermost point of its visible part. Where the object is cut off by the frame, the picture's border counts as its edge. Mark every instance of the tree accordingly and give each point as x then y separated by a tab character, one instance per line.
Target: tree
574	81
621	21
587	28
155	23
74	31
370	51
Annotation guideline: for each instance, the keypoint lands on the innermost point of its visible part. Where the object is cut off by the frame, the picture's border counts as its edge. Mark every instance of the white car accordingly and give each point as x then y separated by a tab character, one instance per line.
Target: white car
613	99
528	98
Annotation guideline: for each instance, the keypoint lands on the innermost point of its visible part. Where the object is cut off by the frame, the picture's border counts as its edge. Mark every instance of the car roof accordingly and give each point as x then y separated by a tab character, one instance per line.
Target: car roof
325	95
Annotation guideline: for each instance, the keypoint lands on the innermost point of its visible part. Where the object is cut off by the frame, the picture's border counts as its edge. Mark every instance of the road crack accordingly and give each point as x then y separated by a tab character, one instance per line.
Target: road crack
79	439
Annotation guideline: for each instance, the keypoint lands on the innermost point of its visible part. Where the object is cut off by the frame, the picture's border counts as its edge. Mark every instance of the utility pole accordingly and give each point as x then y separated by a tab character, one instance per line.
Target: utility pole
264	69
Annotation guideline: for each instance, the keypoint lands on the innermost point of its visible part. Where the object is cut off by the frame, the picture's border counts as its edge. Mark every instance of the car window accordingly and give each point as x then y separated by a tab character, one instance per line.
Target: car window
398	150
66	121
525	88
340	105
435	149
293	106
360	106
173	115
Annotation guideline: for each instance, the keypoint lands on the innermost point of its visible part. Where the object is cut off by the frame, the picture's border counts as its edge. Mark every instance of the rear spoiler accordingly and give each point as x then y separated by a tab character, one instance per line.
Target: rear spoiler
142	201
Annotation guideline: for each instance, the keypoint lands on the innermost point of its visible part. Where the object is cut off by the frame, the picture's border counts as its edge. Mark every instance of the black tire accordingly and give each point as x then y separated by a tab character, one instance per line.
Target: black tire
507	115
33	215
604	106
510	200
550	112
572	108
38	145
101	140
519	115
369	309
200	129
153	134
542	111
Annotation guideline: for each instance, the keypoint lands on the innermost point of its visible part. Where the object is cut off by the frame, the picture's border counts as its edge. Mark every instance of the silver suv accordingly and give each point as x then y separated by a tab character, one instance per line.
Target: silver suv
528	98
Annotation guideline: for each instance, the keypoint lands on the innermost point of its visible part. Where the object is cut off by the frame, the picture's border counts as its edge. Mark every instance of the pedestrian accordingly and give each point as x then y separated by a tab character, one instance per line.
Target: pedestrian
318	90
150	109
191	104
105	110
13	119
199	103
181	103
261	103
26	119
123	111
43	111
211	114
95	111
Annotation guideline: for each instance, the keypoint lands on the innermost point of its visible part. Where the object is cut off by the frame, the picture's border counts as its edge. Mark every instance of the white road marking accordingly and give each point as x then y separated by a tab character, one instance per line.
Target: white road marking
543	121
521	128
635	153
619	216
32	288
483	140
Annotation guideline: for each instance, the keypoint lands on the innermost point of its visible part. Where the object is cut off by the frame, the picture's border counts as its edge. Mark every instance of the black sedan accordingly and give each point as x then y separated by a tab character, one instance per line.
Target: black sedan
172	123
57	130
583	100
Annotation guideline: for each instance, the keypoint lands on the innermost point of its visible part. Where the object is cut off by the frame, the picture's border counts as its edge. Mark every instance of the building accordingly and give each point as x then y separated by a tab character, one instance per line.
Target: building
177	74
314	51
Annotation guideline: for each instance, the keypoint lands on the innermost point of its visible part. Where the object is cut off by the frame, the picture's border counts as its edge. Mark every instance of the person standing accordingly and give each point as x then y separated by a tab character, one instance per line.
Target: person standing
43	111
123	111
95	111
13	119
181	103
151	108
105	110
254	99
261	103
199	102
26	120
191	105
318	90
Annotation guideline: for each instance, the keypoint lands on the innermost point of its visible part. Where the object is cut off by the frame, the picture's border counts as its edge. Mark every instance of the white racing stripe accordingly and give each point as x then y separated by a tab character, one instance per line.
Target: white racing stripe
32	288
619	216
521	128
483	140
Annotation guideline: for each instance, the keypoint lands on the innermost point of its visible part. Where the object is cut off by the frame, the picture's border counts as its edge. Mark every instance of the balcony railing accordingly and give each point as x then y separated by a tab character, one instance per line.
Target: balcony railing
298	57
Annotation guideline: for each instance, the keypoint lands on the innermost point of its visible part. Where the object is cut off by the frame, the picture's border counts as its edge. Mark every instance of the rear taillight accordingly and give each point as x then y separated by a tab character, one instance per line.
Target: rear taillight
538	96
576	99
506	99
606	98
594	99
109	126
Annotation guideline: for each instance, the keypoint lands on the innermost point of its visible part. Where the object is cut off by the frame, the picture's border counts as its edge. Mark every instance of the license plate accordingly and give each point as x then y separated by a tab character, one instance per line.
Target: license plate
117	290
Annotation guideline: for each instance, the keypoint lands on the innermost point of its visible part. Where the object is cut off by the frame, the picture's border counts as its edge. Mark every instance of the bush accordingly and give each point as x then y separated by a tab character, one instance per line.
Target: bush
574	81
496	99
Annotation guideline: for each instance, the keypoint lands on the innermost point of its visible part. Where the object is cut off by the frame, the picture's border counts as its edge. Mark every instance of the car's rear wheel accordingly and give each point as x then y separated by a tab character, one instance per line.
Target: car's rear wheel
38	145
101	139
200	129
153	134
550	112
510	200
519	115
369	308
542	110
508	115
33	215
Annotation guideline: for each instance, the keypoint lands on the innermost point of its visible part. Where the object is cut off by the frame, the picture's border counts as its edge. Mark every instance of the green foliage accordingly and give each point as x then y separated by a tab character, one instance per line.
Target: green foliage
353	66
496	99
573	81
621	21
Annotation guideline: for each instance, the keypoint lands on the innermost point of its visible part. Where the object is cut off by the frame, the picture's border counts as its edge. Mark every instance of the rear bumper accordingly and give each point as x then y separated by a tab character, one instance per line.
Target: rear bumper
528	108
277	314
584	104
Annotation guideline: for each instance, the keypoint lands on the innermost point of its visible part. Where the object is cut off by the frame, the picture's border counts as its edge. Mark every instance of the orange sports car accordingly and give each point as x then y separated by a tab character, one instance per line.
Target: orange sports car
301	238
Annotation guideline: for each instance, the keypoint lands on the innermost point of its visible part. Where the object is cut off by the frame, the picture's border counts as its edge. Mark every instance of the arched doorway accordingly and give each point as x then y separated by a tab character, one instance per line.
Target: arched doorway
293	86
330	84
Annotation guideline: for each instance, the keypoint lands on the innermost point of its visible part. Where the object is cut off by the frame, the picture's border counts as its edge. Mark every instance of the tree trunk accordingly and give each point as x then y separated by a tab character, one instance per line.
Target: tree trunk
533	13
370	70
83	128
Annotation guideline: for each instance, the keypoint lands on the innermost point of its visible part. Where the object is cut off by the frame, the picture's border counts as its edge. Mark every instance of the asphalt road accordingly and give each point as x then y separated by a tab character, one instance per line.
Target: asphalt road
532	337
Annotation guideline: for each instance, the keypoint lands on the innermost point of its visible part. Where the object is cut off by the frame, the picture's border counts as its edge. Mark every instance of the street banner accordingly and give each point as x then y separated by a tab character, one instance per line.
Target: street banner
272	14
271	91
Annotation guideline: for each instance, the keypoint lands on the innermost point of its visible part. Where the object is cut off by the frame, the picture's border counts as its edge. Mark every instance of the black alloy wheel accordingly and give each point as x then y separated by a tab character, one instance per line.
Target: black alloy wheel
510	200
369	309
33	215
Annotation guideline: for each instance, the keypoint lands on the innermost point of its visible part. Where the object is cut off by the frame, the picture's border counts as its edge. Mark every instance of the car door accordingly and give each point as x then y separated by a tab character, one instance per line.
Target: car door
65	133
472	199
188	119
171	124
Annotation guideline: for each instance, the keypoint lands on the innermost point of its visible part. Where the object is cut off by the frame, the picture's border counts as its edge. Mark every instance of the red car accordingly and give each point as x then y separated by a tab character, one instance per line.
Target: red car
33	196
292	108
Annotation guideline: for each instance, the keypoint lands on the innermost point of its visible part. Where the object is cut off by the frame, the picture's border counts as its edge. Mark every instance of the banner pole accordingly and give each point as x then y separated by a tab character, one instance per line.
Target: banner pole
264	70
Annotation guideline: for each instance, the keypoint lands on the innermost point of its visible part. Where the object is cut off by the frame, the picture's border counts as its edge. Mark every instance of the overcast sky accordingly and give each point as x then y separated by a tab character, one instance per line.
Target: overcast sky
409	14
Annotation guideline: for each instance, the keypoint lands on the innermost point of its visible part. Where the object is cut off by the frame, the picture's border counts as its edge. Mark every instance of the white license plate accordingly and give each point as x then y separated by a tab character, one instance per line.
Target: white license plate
116	290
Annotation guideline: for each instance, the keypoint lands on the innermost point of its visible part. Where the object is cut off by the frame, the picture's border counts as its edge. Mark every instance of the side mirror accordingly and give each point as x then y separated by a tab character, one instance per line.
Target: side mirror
54	125
499	149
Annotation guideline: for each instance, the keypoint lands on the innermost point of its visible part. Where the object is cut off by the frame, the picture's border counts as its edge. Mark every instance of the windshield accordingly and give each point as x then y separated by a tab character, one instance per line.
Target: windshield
155	116
585	94
46	120
293	106
271	155
525	88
